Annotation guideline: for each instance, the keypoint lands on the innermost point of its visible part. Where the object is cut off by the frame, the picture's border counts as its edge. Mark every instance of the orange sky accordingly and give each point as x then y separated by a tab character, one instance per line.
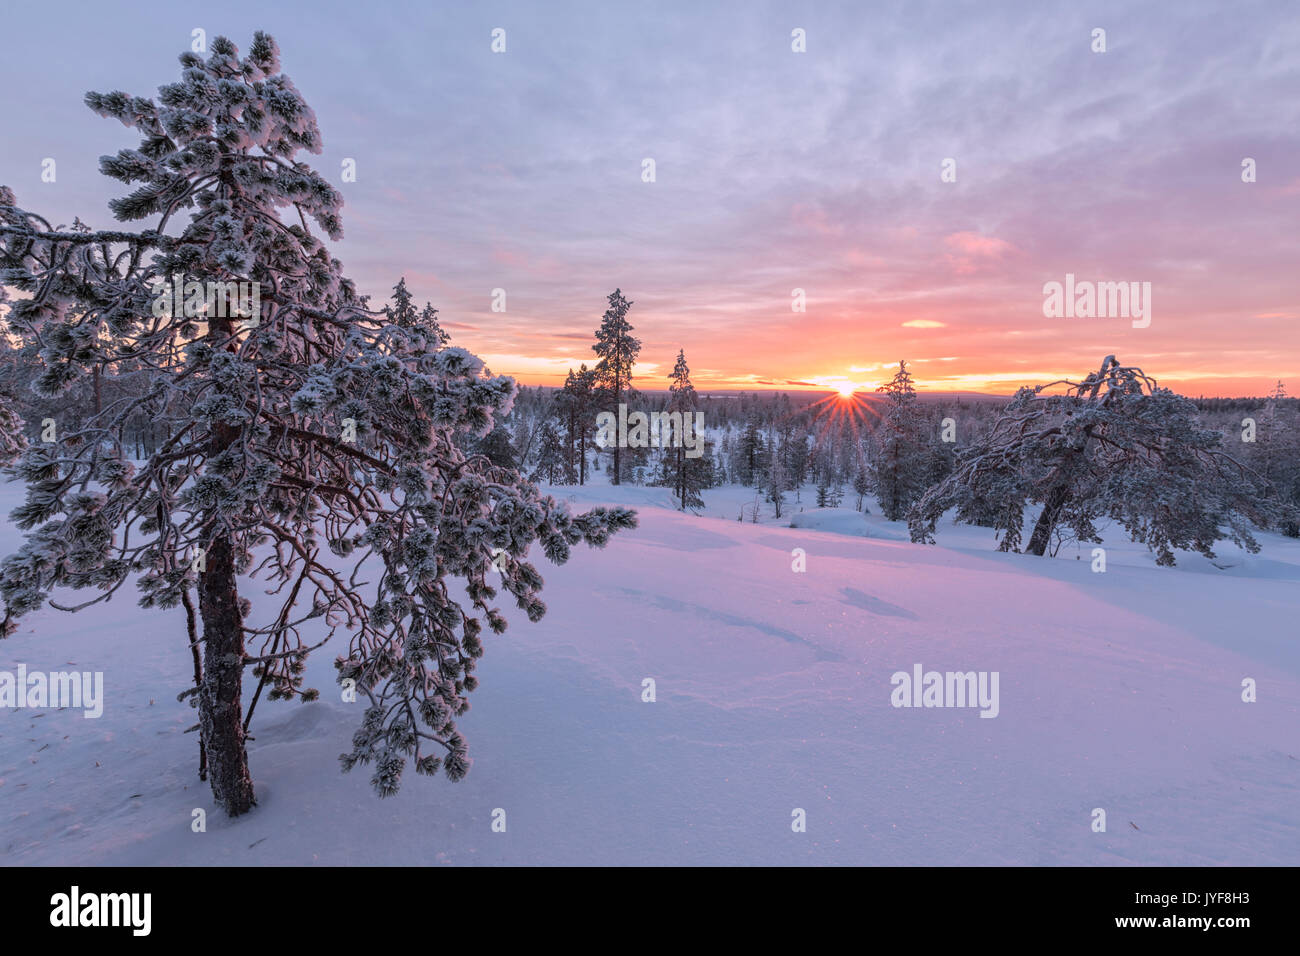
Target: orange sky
823	171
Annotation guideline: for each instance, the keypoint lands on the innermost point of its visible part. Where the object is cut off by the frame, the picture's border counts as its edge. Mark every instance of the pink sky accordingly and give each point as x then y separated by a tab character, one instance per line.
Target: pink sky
775	170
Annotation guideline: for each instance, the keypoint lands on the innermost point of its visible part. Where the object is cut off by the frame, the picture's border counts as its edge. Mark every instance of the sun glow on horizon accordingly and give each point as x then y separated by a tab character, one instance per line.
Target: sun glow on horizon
841	385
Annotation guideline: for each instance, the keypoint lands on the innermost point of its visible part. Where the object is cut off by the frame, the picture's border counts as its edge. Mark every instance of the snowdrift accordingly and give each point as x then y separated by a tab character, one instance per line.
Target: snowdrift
845	521
772	693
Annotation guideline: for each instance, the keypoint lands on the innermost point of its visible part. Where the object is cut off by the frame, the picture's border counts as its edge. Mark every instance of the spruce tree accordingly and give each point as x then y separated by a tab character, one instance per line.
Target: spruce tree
751	453
688	476
402	312
899	466
862	486
550	456
1275	454
777	479
618	352
576	403
823	494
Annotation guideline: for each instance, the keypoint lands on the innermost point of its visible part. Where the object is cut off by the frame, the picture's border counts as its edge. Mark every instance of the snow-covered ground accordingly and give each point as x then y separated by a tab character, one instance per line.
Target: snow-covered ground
1120	691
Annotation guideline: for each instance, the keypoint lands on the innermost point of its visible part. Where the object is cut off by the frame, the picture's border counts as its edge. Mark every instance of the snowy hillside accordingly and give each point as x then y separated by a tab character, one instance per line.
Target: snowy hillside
1120	691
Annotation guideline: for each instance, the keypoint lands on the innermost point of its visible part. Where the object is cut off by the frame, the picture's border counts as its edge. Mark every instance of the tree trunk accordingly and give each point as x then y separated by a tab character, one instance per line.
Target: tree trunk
1059	496
192	630
220	700
571	446
681	476
618	393
1042	535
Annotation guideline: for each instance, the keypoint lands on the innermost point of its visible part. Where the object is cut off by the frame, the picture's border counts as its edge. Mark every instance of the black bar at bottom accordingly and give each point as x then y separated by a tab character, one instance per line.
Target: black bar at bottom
340	906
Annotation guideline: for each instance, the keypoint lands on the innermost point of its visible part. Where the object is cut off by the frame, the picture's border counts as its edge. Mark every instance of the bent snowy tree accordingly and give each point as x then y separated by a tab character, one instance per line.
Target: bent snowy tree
1115	445
313	444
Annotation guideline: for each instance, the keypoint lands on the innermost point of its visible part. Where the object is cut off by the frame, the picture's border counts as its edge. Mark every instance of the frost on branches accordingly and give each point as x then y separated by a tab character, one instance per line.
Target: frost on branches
315	448
12	440
685	475
899	467
1113	446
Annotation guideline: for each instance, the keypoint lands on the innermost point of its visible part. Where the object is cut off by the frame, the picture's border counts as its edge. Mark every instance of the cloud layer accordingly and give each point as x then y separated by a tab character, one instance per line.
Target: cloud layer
774	171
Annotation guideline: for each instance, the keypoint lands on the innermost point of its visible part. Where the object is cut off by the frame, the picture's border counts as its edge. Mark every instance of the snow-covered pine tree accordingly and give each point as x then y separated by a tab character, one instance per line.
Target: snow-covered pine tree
550	455
428	321
254	474
576	402
496	446
618	352
795	456
1275	454
526	419
777	479
861	486
750	455
1114	445
402	312
823	494
900	465
687	476
13	440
